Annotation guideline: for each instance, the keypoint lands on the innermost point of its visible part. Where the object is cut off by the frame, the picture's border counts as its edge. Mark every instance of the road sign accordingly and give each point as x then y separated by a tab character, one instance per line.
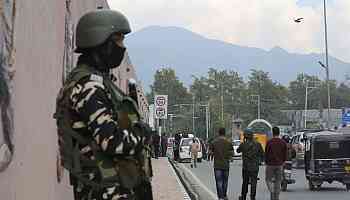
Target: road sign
161	106
346	118
151	116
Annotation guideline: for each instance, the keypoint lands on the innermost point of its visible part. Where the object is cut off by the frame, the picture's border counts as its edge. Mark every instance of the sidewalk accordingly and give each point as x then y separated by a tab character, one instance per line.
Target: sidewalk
165	183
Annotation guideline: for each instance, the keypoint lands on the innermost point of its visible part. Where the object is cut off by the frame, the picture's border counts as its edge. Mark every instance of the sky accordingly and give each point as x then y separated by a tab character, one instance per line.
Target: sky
254	23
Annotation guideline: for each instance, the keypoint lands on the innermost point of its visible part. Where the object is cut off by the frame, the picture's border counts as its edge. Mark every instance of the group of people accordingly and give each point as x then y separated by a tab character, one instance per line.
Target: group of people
105	145
159	145
253	154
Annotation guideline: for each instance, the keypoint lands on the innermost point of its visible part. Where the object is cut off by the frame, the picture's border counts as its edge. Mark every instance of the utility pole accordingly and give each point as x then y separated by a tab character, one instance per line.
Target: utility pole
207	120
327	64
193	115
259	104
315	85
305	111
222	103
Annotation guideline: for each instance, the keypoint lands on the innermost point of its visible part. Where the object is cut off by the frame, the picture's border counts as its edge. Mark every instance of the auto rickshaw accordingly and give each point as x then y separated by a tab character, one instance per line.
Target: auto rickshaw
327	158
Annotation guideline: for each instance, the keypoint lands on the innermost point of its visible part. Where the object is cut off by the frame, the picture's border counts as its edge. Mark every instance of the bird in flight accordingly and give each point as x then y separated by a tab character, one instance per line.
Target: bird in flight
298	20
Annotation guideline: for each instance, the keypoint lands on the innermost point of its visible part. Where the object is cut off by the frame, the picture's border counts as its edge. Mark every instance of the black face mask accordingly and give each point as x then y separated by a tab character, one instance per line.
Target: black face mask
116	56
111	54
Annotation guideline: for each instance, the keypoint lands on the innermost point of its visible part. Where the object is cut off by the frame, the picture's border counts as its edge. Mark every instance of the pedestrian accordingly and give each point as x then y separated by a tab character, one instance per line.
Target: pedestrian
204	149
252	156
177	146
99	127
194	149
222	151
156	145
164	142
276	155
210	151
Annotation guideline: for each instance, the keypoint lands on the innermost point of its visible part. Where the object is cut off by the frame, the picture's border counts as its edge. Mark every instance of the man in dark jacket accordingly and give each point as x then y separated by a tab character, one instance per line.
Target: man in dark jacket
222	151
276	155
252	155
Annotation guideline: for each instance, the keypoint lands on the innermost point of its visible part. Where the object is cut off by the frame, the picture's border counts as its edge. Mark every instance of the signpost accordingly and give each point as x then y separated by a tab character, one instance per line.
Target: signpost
161	106
161	110
151	116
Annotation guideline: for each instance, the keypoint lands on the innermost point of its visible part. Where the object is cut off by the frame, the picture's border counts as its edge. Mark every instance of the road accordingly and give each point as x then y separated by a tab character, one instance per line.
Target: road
204	177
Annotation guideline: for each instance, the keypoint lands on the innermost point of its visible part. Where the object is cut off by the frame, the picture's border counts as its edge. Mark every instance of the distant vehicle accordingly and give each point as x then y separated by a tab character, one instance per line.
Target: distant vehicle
235	144
327	158
261	135
185	154
299	147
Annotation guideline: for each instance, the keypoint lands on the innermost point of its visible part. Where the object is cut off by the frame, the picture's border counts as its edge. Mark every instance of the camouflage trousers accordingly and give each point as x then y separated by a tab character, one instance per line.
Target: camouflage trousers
82	192
142	192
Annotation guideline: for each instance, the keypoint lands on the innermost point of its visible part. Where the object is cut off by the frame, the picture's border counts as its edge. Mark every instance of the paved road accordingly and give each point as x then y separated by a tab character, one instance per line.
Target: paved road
299	191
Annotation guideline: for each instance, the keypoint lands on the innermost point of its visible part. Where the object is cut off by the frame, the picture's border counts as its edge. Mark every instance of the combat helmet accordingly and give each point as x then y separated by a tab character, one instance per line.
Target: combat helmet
95	27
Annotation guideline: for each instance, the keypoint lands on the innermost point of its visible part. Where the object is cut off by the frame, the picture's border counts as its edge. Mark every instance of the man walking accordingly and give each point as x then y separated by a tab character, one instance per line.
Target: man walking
222	151
194	149
276	155
252	155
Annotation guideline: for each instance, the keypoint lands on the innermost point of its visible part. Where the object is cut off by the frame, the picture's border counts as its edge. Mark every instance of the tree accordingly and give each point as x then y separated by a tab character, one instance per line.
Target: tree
297	91
273	96
167	83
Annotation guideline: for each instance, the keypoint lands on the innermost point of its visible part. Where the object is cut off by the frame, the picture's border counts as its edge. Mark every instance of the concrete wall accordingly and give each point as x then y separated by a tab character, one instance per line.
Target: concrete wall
39	43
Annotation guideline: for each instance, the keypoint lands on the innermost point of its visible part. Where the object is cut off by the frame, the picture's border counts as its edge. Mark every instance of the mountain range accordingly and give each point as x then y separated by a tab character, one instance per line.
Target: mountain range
189	54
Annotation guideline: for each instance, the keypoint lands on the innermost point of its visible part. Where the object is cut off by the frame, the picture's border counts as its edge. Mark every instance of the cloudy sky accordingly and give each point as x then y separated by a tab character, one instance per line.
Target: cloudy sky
255	23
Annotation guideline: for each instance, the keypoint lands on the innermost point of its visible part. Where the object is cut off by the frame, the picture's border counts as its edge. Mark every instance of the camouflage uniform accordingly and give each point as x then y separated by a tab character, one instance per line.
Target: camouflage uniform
252	155
94	116
91	115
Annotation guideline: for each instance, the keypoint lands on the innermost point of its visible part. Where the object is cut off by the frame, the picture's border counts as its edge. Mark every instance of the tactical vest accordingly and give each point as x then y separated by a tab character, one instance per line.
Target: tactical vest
125	171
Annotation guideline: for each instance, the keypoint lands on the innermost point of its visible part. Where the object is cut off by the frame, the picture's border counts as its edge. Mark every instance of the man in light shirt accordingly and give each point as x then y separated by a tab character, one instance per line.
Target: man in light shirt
194	149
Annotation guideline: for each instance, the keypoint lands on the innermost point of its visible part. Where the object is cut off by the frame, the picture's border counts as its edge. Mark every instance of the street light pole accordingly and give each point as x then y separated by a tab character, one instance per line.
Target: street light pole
328	93
327	64
305	111
193	115
258	106
222	103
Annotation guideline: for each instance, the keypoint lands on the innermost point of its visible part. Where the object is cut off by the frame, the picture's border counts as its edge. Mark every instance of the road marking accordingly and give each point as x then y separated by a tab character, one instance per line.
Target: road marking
186	196
199	182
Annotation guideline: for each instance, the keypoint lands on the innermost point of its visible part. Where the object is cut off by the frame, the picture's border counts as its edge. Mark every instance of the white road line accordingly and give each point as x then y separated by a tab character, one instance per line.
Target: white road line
186	196
199	182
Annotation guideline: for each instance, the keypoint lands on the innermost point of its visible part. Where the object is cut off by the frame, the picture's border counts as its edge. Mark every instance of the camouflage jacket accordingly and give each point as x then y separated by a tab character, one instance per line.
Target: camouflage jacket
94	117
252	155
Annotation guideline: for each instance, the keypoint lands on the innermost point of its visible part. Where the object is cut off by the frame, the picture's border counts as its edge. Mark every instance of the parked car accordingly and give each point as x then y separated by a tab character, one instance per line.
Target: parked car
235	144
185	154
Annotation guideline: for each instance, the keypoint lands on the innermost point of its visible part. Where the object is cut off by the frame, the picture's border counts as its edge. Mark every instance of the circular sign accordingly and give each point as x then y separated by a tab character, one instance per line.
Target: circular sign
160	101
160	112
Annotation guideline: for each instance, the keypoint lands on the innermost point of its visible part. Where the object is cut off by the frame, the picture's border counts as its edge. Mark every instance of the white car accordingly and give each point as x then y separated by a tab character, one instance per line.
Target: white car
185	154
235	145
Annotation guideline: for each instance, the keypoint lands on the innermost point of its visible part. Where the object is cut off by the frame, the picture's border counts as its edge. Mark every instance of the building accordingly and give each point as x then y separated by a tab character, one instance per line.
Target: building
297	117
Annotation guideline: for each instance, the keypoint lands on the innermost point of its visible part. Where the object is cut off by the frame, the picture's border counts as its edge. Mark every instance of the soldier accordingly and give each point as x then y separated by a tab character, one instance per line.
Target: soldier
101	137
252	155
